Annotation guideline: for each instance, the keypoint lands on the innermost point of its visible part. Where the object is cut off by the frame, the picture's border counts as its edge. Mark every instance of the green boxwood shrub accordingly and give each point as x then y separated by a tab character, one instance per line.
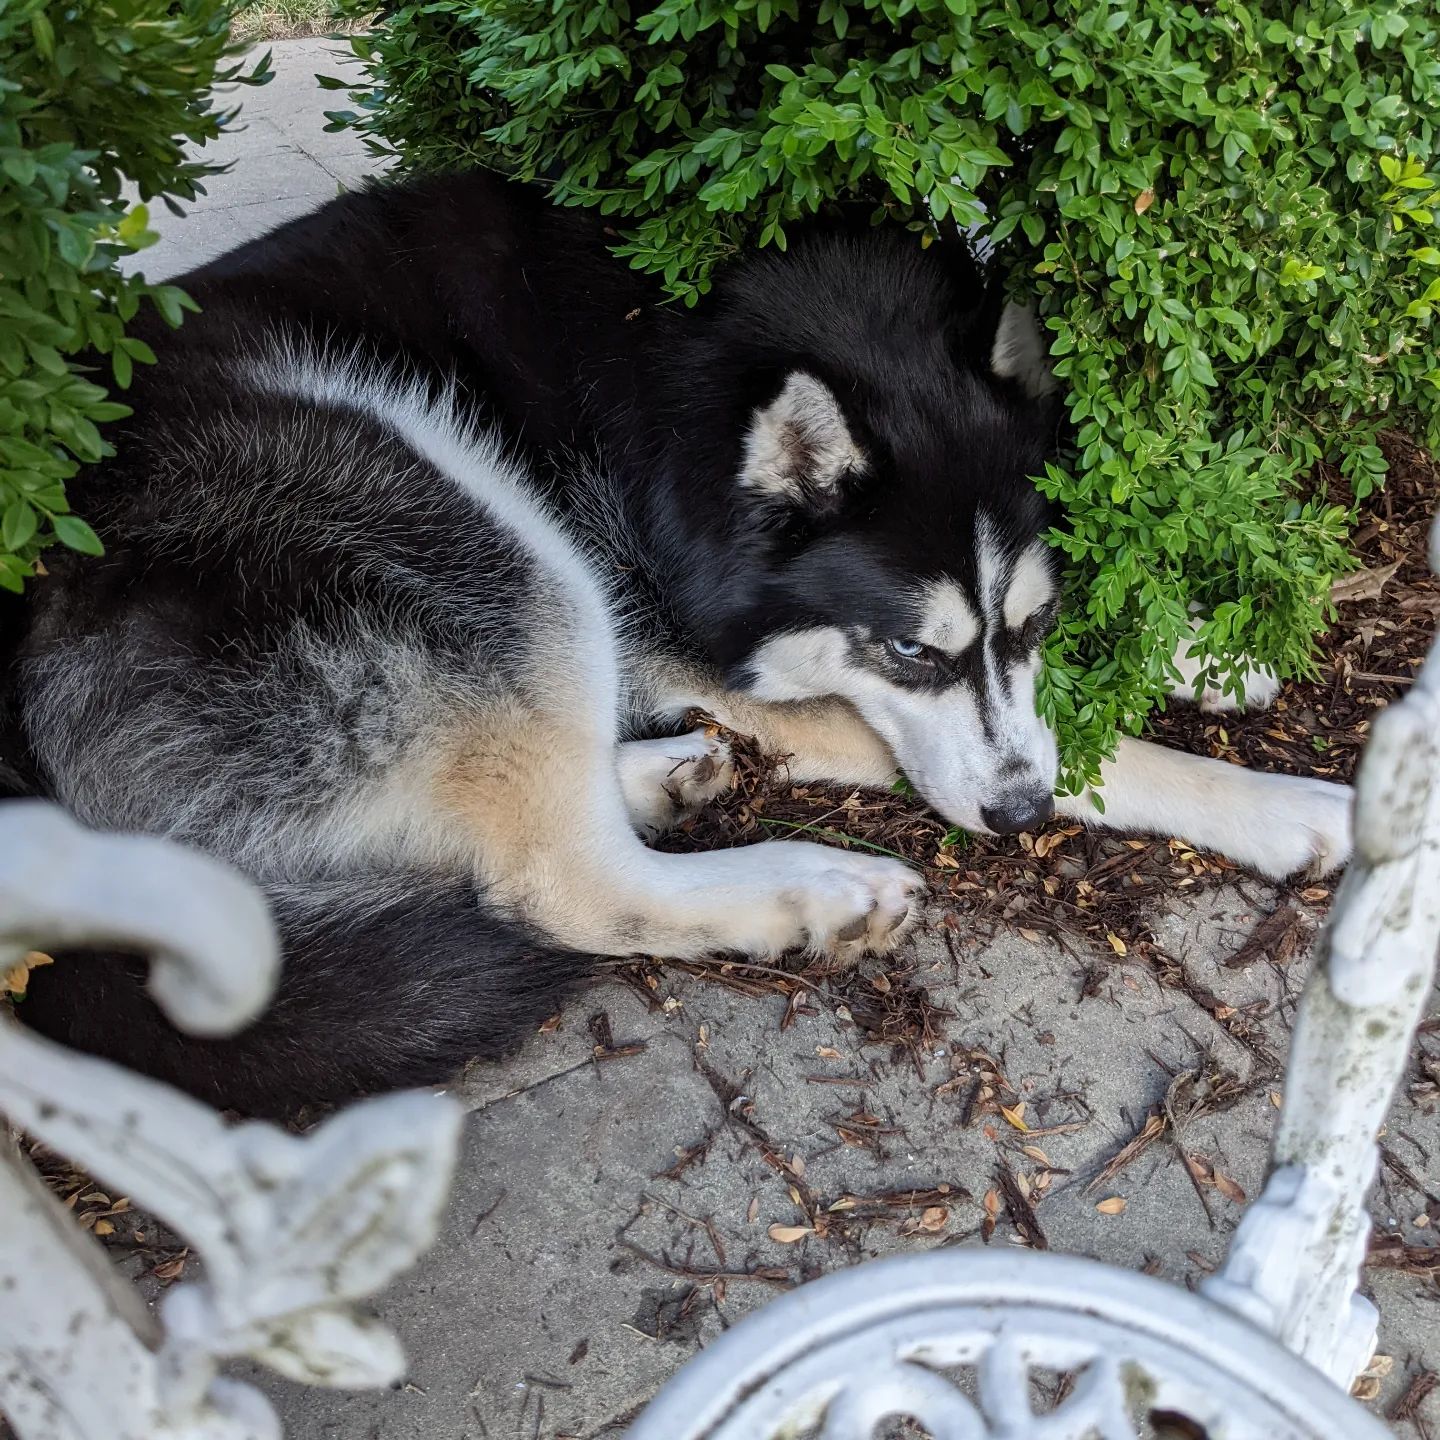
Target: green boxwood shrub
93	93
1224	213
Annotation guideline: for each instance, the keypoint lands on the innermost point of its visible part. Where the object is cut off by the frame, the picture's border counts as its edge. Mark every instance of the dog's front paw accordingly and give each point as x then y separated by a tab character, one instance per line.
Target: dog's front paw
1304	825
668	779
852	905
702	769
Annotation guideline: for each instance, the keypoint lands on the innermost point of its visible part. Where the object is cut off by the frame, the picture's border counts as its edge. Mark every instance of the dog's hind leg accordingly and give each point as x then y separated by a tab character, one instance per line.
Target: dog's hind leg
1275	824
667	779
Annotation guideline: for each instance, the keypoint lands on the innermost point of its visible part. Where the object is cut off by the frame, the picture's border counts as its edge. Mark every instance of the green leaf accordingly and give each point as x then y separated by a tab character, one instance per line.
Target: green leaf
20	167
133	224
44	33
74	533
19	525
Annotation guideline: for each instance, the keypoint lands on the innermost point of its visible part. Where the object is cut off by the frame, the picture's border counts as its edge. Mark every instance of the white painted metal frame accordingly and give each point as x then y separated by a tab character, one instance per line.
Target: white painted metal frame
290	1229
954	1339
957	1338
1295	1259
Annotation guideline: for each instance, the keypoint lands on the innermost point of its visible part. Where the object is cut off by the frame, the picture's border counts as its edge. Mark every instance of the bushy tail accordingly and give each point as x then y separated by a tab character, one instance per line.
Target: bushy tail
387	982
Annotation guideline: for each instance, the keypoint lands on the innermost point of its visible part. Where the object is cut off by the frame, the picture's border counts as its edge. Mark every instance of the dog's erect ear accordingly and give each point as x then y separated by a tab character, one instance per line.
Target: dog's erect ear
1019	353
799	448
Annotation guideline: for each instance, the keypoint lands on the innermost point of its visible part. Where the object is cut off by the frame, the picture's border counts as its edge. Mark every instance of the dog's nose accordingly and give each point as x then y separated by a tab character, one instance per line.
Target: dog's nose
1024	812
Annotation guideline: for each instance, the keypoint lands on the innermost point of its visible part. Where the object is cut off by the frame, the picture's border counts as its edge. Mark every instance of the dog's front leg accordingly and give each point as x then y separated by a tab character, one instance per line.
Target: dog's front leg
824	741
1275	824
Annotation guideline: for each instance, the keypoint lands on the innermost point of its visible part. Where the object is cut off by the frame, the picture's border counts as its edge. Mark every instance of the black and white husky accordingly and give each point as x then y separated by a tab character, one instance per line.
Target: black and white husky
432	521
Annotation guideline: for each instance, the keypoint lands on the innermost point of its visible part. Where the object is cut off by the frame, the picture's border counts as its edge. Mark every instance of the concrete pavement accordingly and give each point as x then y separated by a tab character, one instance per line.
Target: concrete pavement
283	162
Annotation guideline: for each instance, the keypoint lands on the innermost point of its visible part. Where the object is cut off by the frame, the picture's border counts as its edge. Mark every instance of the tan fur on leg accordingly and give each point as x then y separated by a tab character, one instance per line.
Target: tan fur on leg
541	801
822	740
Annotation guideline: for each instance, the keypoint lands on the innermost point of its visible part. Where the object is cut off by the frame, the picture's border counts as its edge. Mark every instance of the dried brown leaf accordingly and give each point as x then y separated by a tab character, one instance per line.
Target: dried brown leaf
1229	1188
1363	584
789	1234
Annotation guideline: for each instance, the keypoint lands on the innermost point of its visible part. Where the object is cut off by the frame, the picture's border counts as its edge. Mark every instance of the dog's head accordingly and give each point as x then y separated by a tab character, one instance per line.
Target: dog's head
887	442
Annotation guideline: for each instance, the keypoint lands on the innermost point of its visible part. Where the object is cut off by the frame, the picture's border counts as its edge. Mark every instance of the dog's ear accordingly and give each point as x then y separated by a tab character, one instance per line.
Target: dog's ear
1019	355
799	448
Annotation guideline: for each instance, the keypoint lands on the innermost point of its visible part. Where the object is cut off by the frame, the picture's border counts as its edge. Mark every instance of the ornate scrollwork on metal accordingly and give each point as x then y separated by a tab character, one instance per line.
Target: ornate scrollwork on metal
291	1229
998	1345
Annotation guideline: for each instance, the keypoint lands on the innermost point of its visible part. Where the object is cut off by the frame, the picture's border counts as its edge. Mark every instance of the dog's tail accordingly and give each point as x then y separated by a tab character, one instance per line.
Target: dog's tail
387	981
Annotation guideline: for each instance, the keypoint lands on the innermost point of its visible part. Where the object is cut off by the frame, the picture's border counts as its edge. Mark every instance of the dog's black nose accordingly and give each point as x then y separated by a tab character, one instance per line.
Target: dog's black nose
1024	812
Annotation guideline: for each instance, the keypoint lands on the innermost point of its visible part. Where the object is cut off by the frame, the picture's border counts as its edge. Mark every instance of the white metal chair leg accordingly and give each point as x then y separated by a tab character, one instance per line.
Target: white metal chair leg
1295	1259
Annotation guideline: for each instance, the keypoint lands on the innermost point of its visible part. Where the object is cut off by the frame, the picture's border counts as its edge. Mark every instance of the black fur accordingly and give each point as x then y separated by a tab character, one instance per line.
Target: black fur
402	992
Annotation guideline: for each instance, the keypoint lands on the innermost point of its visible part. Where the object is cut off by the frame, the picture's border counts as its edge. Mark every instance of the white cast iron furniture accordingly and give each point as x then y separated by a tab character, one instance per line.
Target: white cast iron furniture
290	1229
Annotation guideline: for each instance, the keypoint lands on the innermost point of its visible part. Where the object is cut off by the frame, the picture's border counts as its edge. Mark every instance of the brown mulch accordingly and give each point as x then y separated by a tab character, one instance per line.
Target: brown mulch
158	1253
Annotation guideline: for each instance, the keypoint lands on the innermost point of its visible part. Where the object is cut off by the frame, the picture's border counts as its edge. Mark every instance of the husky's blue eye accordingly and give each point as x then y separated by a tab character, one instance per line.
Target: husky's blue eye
906	649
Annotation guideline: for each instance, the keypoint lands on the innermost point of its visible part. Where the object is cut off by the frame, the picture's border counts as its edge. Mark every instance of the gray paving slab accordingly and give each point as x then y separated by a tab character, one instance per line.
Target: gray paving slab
571	1279
548	1310
283	162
